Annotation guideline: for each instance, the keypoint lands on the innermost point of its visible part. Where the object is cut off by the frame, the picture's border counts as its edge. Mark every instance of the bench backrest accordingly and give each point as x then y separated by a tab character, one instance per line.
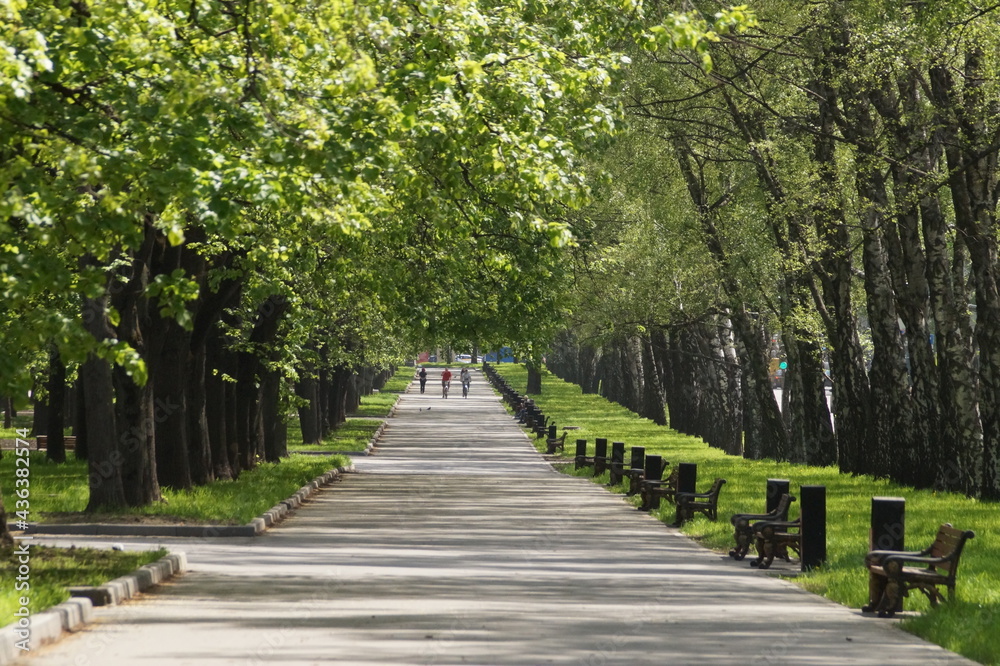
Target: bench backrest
781	511
948	544
716	487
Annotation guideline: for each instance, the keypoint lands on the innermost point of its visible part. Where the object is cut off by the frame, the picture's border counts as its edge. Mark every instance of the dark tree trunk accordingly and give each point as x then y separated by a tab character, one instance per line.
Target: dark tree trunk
652	394
307	388
216	419
8	412
104	459
275	430
323	403
355	389
250	419
56	445
972	181
172	458
40	417
136	415
232	429
80	423
199	442
534	379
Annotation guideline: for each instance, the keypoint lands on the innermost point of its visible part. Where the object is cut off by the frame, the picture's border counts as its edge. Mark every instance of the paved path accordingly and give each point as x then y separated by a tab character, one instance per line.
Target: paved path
458	544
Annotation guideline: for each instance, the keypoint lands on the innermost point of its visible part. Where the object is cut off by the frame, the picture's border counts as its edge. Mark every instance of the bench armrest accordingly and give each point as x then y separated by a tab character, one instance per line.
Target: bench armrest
750	516
778	524
878	556
903	558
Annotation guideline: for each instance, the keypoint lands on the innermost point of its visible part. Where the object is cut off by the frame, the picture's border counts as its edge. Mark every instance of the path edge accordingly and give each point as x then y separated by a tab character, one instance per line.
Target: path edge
72	615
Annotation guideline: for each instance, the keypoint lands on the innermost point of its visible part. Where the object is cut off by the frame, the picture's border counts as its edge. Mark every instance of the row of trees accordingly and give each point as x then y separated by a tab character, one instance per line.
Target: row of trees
828	188
212	212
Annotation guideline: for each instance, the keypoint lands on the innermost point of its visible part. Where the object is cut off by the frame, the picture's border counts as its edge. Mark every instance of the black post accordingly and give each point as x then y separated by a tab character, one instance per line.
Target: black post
581	454
552	431
687	477
617	463
775	489
812	503
887	532
636	468
654	468
600	455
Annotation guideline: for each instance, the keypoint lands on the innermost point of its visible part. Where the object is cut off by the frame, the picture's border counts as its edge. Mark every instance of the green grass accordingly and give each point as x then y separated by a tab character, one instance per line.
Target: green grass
54	570
57	490
350	436
376	405
399	381
20	422
967	627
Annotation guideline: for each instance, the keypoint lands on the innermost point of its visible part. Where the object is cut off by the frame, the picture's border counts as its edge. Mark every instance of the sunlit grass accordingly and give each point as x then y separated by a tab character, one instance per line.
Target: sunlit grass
54	570
843	577
57	490
377	405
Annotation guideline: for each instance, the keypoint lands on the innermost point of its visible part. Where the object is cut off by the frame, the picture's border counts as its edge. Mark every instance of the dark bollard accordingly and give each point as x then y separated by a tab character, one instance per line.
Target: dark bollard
600	455
653	469
775	489
687	477
888	529
617	463
552	431
635	470
581	454
812	503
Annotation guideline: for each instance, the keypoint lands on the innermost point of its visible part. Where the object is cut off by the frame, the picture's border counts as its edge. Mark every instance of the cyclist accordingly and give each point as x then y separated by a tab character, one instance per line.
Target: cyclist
423	378
445	382
466	377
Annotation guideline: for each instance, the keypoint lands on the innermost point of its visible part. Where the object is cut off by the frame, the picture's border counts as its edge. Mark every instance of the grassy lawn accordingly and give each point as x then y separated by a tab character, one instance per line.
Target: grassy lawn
966	627
59	492
350	436
53	570
376	405
21	421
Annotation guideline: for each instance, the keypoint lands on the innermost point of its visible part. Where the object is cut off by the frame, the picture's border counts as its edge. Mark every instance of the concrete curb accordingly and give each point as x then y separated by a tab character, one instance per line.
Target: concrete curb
255	527
381	429
48	626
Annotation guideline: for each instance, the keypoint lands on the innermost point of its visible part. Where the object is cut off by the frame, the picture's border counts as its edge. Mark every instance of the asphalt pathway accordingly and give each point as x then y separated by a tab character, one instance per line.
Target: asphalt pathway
458	544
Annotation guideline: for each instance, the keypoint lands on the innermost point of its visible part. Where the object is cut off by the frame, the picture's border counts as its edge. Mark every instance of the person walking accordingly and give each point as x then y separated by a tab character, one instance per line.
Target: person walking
423	378
445	382
466	378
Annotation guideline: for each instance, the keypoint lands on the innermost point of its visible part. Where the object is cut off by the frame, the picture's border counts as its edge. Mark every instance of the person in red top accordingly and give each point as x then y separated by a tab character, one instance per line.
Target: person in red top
445	381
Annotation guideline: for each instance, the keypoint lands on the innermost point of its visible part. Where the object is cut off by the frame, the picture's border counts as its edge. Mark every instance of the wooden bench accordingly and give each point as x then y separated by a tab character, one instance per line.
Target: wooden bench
553	443
637	476
891	578
652	492
706	504
743	525
42	442
774	538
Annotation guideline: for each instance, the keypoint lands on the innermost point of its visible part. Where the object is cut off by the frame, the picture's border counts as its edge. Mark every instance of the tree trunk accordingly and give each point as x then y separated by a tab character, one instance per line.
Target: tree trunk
652	393
971	161
173	465
216	419
534	379
56	445
275	432
104	459
80	423
307	388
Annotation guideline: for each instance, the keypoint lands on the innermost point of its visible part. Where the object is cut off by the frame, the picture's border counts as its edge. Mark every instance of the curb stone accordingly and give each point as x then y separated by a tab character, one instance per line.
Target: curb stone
48	626
255	527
